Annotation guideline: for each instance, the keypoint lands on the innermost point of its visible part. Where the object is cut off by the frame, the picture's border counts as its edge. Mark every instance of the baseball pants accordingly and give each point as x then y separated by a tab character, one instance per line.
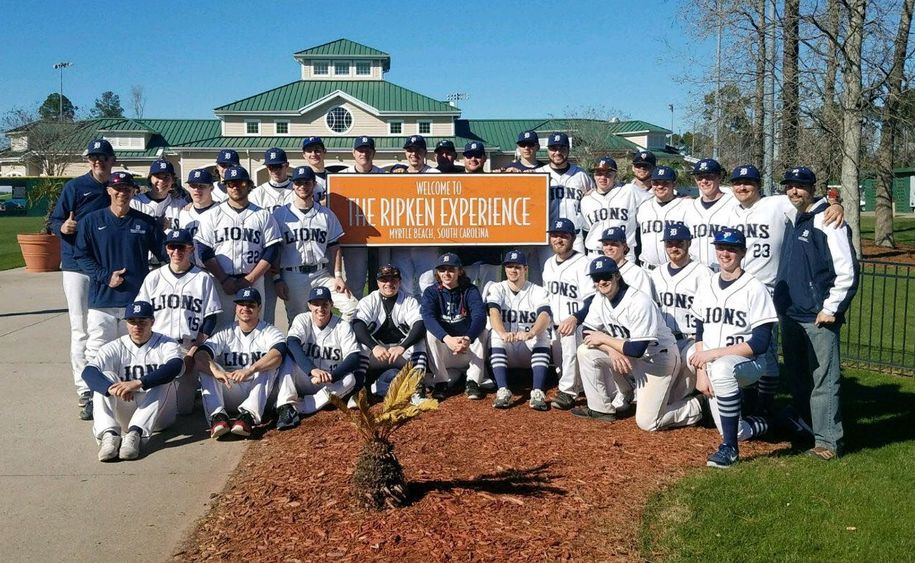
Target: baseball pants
268	310
565	349
415	354
413	262
728	375
105	325
533	354
150	410
355	263
446	366
483	274
76	290
296	388
186	384
300	284
249	396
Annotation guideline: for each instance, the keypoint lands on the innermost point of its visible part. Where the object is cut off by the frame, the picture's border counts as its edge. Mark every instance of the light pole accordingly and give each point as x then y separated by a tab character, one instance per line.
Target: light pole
60	94
671	108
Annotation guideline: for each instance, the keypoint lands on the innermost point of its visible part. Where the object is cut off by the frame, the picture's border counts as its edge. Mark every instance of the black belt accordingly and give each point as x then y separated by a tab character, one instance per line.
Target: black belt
306	269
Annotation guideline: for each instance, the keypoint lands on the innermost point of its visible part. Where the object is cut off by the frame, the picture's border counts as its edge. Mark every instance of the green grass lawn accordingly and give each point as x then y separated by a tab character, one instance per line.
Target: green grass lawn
903	228
10	255
791	508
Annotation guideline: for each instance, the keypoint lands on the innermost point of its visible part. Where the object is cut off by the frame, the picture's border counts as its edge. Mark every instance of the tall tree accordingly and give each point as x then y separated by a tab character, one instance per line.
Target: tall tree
138	100
853	112
50	110
108	104
790	88
760	24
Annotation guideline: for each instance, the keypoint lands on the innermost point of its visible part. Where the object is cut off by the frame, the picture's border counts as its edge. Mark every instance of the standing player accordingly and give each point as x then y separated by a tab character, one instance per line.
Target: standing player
708	213
200	187
734	319
237	242
656	215
186	304
132	380
643	162
310	236
162	201
80	196
445	155
528	145
415	261
481	263
314	151
606	206
239	368
357	257
565	278
277	190
519	316
227	158
325	360
627	345
615	247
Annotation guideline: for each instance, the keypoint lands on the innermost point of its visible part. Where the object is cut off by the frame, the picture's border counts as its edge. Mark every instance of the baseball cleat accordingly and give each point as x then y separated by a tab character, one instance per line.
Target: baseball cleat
286	418
130	445
725	457
220	426
562	401
538	401
503	398
243	425
440	391
472	391
108	447
585	412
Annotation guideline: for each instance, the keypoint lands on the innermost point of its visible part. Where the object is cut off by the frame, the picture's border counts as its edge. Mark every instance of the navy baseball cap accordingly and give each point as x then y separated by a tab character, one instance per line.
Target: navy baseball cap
800	175
610	234
138	310
474	148
303	173
236	173
448	259
121	179
99	147
417	141
746	172
199	176
730	237
248	295
515	257
644	157
664	174
605	163
227	157
362	142
676	232
562	226
558	139
319	293
446	145
275	156
179	236
309	141
528	137
387	271
602	266
707	166
161	167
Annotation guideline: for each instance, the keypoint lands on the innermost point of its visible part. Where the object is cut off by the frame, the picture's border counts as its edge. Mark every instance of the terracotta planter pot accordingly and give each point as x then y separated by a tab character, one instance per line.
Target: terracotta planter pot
41	252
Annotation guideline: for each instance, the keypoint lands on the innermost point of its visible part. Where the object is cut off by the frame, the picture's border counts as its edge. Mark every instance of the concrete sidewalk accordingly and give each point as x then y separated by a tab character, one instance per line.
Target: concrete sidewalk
58	502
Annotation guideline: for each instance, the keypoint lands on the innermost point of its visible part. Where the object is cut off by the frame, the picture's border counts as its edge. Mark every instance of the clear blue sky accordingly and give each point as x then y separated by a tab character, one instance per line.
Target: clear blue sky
515	59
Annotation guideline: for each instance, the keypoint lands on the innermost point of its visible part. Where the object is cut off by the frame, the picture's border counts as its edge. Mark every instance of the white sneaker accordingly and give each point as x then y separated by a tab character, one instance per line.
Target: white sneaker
130	445
352	404
108	448
503	398
538	400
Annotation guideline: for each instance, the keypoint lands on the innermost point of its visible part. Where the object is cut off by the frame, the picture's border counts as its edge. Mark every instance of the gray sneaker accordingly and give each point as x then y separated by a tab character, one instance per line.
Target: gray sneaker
130	445
108	448
538	400
85	406
562	401
503	398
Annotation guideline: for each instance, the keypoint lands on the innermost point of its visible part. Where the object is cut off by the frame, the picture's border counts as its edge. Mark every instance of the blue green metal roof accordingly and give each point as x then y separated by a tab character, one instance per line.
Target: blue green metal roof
341	48
634	126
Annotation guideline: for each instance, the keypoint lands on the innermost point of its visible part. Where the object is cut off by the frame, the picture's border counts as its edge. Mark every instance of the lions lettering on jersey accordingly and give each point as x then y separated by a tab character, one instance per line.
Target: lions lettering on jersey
239	359
237	233
656	226
520	317
707	230
605	214
322	352
132	372
564	289
183	302
725	315
291	236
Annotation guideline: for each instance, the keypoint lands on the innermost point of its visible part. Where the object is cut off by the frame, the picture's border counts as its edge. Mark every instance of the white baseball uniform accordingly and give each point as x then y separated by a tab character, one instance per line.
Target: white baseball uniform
764	225
704	220
271	196
232	349
637	277
151	409
189	220
169	207
568	285
566	192
404	314
219	192
519	312
326	348
616	208
653	217
641	194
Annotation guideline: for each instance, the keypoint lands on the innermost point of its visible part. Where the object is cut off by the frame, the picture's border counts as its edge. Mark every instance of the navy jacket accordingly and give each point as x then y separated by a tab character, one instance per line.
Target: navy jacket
818	270
82	196
453	312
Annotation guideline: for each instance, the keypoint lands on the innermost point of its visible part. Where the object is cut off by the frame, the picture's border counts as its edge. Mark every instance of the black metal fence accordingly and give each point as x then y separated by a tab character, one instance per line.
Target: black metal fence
879	332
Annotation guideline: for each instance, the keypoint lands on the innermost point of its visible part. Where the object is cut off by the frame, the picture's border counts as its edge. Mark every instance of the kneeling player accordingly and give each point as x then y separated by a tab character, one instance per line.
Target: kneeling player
627	345
520	315
734	319
132	379
390	327
325	360
239	366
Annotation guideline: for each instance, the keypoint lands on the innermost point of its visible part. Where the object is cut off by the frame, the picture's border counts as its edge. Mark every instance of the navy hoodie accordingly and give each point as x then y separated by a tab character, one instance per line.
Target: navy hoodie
453	312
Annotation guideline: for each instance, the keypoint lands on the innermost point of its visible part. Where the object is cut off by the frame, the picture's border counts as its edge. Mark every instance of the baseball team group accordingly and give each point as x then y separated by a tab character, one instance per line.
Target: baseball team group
645	303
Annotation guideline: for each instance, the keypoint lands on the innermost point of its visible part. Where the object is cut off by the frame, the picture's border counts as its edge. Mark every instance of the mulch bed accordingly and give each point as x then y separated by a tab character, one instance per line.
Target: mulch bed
486	485
902	254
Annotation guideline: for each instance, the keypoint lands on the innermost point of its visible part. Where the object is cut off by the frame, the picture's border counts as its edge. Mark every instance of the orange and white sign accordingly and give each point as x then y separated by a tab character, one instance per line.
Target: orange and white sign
440	209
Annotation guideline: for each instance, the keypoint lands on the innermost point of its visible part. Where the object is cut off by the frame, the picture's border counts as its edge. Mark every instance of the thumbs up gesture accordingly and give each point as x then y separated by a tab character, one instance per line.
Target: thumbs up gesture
117	277
68	227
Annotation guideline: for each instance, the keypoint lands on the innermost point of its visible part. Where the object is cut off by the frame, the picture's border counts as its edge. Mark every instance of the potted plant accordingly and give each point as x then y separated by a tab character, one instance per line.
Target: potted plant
41	251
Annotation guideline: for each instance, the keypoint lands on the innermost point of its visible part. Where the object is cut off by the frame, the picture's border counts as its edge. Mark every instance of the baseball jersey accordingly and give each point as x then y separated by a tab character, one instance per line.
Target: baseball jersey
764	225
676	290
168	208
568	285
237	237
232	349
616	208
729	315
641	194
704	222
631	315
326	347
306	234
189	220
653	217
404	313
638	278
126	361
180	302
519	309
271	196
566	191
352	170
219	192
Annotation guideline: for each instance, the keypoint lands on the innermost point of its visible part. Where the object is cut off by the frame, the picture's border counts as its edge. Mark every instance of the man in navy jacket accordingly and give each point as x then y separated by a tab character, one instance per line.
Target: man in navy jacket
817	278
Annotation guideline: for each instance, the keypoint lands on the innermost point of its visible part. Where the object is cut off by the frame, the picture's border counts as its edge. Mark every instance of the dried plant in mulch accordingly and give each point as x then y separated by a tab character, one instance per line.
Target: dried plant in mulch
378	481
